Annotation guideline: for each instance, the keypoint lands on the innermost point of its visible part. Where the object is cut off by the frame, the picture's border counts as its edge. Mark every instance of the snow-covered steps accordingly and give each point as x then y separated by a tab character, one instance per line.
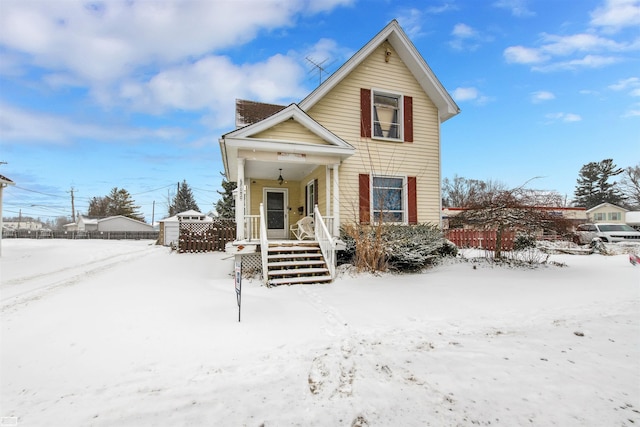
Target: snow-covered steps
296	263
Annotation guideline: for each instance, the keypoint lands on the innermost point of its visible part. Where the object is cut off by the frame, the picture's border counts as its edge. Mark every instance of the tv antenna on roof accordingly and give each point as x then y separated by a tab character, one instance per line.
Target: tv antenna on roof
319	67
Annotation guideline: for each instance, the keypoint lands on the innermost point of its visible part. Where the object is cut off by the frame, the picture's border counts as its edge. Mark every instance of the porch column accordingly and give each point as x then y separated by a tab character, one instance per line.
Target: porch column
240	202
336	201
327	186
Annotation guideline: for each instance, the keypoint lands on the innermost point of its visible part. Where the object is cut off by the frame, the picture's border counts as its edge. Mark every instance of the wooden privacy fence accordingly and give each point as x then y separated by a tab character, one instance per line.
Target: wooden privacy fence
481	239
196	236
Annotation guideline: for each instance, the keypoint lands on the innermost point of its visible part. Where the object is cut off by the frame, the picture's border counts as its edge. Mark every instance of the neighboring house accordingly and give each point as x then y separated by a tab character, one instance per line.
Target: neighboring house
575	215
24	225
4	182
363	147
606	212
632	218
116	223
170	227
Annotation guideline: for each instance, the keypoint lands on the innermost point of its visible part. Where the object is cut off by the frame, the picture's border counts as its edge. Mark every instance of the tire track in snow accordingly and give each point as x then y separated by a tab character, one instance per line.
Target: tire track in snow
41	285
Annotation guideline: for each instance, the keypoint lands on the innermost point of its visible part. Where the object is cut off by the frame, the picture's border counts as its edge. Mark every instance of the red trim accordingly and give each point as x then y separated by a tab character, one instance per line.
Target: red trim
408	119
365	113
365	205
412	200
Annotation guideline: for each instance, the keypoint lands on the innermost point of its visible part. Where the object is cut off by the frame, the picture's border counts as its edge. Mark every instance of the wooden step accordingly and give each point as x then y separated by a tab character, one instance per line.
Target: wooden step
298	271
299	280
294	256
295	263
293	248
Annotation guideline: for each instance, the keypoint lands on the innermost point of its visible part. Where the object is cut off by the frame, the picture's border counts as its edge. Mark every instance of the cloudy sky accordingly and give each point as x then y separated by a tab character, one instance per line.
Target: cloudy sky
135	94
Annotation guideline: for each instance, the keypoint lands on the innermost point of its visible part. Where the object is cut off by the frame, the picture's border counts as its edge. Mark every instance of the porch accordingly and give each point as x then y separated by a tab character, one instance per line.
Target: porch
289	261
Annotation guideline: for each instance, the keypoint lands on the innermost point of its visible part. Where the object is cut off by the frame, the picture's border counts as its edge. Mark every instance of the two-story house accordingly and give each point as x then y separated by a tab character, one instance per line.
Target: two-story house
363	147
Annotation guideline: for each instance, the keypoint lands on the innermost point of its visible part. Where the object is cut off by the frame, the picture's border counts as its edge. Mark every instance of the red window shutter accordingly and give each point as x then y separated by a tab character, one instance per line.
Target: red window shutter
365	113
412	200
365	205
408	119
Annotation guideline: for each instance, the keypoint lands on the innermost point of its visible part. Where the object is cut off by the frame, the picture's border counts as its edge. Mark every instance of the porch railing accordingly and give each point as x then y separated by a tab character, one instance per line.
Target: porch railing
326	241
252	227
264	244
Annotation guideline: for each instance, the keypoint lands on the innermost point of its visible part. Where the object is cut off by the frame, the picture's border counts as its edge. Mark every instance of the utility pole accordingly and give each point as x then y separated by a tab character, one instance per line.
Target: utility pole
73	206
153	213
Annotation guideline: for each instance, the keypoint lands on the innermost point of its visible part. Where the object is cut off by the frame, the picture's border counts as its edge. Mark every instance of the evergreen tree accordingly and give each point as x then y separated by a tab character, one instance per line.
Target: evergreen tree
98	207
121	203
184	200
593	186
118	202
225	207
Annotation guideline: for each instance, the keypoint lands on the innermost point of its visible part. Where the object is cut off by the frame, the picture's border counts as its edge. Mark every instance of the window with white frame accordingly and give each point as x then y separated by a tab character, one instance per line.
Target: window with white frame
387	115
388	199
599	216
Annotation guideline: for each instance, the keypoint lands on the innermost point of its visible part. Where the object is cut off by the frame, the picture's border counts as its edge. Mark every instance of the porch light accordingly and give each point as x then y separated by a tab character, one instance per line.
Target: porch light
280	178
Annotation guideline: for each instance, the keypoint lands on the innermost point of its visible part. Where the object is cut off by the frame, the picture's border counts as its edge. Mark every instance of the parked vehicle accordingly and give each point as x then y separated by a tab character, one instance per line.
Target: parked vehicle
608	233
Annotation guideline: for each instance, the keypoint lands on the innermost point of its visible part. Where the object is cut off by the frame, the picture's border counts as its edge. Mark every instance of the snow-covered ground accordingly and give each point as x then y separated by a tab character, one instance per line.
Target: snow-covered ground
127	333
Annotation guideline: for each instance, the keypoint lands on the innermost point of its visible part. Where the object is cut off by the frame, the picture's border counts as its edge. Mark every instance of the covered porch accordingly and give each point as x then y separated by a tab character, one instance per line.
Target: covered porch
286	168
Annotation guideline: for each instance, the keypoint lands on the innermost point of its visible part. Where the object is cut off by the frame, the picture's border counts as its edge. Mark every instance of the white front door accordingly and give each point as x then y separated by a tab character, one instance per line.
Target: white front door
276	202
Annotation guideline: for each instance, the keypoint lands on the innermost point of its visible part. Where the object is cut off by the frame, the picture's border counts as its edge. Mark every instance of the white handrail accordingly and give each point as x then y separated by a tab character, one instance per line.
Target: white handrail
326	241
264	244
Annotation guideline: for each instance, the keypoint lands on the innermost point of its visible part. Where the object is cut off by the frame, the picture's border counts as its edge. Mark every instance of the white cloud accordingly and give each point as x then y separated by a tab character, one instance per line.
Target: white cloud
39	128
411	22
588	61
213	82
616	15
630	83
465	93
524	55
101	42
587	49
518	8
541	96
564	117
467	38
462	94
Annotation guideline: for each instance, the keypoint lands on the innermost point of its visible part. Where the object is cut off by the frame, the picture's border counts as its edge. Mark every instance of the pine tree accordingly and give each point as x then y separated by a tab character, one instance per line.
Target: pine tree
184	200
118	202
593	186
121	203
225	207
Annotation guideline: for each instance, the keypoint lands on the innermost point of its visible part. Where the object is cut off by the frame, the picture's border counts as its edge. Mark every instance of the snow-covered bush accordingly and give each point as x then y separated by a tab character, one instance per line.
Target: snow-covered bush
524	241
394	247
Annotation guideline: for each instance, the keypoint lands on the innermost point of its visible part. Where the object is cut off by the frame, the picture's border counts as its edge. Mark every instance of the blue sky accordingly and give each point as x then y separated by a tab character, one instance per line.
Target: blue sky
103	94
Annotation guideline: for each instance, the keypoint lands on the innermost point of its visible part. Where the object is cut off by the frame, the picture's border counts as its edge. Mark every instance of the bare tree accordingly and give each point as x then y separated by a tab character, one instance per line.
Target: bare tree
630	186
513	209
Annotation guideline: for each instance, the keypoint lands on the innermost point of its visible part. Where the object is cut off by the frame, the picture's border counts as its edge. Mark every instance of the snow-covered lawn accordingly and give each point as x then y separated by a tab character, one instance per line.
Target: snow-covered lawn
127	333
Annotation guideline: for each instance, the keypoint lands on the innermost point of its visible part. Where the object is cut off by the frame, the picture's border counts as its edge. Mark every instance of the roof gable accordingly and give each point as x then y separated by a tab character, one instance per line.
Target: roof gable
416	64
292	112
606	205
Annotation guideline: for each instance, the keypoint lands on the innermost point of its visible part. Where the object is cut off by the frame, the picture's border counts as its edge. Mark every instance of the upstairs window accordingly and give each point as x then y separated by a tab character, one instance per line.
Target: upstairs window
386	115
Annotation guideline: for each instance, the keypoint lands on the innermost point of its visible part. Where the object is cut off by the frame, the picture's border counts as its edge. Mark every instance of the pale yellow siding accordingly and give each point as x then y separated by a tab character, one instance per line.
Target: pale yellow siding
607	213
256	188
290	130
339	111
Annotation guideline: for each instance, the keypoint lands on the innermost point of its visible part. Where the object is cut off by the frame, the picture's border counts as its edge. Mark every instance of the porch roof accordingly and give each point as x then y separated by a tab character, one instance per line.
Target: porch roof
289	153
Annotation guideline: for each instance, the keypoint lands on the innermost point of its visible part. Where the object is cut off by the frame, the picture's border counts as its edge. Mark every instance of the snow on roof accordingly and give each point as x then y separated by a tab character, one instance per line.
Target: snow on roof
632	217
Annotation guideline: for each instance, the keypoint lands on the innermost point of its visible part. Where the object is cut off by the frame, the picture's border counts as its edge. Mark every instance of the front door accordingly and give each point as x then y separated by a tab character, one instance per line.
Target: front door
276	202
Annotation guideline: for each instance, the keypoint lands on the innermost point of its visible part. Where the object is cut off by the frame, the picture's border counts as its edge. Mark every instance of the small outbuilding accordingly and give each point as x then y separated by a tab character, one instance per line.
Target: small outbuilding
170	227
